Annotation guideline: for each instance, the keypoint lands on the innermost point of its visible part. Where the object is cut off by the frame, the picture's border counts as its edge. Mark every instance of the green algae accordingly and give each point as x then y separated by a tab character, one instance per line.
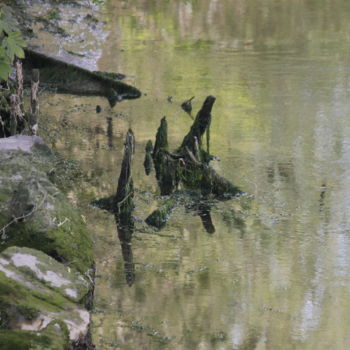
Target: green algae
148	162
160	216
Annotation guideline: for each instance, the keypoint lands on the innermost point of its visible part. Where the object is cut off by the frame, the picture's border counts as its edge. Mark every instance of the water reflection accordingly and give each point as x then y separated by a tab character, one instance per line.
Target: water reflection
110	132
204	214
125	233
275	275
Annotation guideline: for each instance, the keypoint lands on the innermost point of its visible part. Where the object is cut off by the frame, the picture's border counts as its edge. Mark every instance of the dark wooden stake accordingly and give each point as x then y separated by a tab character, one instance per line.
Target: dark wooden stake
15	114
123	202
19	79
34	115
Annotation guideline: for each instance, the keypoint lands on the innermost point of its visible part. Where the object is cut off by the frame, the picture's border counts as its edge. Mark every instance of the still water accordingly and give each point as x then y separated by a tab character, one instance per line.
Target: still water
275	274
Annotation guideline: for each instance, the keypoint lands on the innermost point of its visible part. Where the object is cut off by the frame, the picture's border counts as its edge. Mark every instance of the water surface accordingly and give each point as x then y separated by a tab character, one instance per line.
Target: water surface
275	274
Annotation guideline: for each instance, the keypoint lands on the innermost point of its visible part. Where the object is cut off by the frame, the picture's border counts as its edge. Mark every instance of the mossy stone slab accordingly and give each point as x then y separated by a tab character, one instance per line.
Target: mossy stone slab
36	290
35	266
53	337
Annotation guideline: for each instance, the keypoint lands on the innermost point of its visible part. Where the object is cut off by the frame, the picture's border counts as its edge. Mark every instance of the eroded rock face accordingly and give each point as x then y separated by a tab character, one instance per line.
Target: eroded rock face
36	290
34	212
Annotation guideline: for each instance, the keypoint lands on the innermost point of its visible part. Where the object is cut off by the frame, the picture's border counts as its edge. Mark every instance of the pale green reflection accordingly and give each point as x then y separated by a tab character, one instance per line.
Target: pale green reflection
276	272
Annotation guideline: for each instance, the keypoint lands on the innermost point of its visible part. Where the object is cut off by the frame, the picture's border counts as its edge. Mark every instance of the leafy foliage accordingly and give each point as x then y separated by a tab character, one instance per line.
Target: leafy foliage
11	42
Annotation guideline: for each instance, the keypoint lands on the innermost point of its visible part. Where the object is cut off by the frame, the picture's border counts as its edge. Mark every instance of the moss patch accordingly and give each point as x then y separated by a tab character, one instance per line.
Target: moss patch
53	337
36	214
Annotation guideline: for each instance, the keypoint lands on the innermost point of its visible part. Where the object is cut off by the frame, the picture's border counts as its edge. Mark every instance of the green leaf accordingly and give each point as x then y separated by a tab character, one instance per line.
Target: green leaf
5	70
18	51
11	41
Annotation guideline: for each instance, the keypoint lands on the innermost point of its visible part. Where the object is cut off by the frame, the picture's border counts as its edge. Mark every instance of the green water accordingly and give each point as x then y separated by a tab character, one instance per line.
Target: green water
276	272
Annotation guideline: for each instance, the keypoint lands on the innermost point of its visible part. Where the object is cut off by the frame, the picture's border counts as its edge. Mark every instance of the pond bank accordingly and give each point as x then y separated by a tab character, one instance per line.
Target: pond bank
47	267
46	259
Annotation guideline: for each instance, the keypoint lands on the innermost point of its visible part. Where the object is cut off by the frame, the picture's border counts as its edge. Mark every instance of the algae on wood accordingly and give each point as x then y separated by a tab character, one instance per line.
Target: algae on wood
190	163
148	162
160	216
163	164
188	166
123	205
125	190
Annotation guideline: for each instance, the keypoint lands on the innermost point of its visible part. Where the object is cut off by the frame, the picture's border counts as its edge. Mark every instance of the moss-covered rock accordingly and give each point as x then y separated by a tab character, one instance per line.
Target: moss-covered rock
53	337
34	212
36	290
46	260
34	265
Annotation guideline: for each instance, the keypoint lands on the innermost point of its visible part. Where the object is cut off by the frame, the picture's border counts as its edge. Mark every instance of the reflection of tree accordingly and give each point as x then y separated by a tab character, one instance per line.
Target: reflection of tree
125	233
202	208
121	205
110	132
204	214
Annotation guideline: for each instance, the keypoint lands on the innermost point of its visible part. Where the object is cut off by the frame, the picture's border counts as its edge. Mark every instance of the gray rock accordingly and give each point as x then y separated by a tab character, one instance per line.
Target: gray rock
20	143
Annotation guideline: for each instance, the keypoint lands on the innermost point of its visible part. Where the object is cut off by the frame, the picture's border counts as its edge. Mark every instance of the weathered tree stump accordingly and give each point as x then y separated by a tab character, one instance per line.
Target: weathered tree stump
123	201
148	162
19	79
166	172
159	217
15	114
34	115
123	207
189	166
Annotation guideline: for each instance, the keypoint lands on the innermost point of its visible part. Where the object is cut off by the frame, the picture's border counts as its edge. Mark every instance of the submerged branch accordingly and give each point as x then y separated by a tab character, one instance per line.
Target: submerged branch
68	78
160	216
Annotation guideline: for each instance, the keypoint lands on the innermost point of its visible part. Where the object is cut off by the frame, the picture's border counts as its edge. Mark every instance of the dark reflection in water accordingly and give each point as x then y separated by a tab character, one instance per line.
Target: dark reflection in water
204	214
323	195
203	210
282	170
125	233
233	219
110	132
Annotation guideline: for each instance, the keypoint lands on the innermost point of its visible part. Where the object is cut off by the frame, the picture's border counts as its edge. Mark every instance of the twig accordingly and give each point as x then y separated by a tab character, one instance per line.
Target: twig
16	219
123	200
